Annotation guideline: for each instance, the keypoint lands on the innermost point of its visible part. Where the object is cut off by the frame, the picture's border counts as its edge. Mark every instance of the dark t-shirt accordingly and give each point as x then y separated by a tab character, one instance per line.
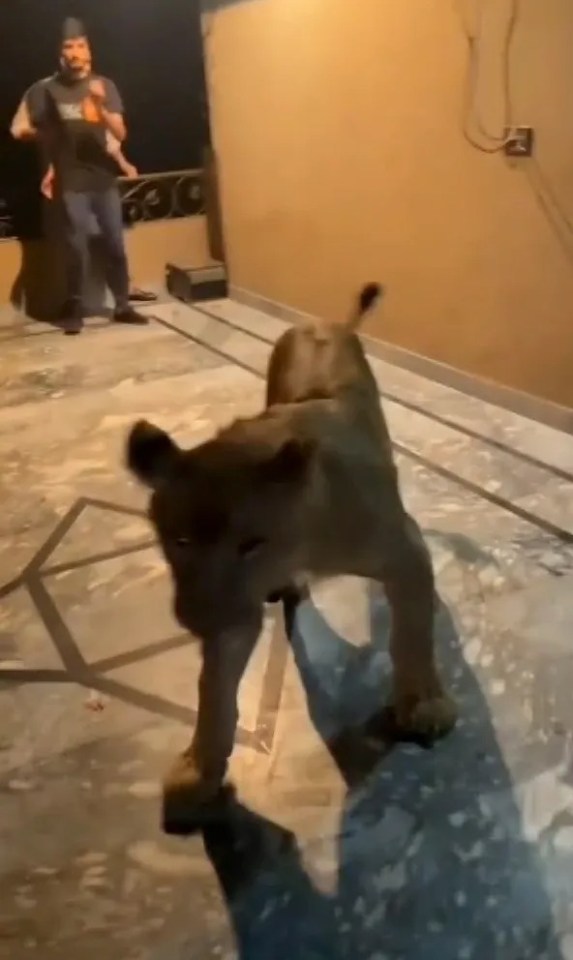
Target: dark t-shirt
75	139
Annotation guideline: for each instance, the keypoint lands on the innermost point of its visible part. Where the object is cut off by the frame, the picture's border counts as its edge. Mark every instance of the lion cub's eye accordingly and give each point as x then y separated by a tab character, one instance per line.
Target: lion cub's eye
250	545
182	542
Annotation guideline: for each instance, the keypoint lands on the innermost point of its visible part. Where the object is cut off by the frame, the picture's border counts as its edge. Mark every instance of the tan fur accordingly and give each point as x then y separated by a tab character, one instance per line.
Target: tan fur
308	488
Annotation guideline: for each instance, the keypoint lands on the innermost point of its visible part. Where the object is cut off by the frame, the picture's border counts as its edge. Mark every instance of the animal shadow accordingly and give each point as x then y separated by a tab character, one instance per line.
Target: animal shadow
430	856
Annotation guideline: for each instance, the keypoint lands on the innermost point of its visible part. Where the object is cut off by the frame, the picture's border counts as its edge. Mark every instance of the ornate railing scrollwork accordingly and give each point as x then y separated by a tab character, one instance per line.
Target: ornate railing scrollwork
7	230
163	196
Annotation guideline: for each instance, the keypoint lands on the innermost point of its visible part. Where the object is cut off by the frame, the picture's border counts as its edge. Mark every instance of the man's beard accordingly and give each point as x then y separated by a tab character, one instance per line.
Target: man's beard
76	71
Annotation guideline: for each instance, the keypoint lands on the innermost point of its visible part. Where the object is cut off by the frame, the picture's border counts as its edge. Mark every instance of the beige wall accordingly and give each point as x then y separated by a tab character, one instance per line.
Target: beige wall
337	128
149	245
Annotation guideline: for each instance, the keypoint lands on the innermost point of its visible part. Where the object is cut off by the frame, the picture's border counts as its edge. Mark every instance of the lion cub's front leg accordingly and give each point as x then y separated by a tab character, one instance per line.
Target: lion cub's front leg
196	778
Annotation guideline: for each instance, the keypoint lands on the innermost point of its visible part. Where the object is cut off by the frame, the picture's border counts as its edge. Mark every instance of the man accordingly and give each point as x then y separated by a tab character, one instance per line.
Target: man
72	114
130	172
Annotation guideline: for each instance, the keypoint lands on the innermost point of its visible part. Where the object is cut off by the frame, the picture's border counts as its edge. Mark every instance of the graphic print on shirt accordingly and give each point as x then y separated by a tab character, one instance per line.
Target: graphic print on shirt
84	110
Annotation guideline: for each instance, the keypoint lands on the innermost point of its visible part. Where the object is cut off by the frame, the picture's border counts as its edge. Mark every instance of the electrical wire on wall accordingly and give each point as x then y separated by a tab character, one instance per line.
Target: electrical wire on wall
473	127
477	134
551	207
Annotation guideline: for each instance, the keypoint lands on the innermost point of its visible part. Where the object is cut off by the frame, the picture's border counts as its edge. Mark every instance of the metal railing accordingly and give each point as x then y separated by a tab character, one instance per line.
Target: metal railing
163	196
149	197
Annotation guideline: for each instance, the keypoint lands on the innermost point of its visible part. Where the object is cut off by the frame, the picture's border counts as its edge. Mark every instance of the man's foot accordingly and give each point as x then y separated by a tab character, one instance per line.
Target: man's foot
130	316
72	326
142	296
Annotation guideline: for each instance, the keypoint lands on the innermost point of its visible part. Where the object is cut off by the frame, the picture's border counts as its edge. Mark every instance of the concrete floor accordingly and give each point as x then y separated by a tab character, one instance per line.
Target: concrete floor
464	851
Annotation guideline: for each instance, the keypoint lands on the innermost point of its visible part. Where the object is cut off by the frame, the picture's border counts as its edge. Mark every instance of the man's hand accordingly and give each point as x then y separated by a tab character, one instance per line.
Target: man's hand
21	127
97	111
47	184
97	92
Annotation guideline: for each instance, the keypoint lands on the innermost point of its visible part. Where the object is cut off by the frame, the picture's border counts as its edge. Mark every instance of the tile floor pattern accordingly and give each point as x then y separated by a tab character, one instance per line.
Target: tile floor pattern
463	851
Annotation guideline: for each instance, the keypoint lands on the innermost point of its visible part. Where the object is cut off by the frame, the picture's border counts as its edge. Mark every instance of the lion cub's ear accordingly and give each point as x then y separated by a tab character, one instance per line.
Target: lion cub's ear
290	463
150	453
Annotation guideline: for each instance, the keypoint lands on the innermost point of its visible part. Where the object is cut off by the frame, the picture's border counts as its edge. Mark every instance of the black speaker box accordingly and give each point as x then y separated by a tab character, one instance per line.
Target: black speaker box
196	284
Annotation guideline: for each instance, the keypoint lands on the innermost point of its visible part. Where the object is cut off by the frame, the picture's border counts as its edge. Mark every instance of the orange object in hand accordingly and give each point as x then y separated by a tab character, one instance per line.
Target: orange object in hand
91	111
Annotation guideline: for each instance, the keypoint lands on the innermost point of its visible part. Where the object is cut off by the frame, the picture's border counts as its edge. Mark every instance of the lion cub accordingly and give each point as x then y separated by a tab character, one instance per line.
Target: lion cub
306	489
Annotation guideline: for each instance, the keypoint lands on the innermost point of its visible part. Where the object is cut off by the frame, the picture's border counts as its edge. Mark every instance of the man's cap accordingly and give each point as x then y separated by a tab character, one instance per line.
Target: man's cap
72	28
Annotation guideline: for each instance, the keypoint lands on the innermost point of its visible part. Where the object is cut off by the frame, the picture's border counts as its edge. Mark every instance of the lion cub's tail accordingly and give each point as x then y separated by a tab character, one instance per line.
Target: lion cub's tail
367	299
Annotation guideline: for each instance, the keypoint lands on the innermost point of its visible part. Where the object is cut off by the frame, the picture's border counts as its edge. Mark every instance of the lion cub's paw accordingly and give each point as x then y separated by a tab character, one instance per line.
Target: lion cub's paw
421	721
190	799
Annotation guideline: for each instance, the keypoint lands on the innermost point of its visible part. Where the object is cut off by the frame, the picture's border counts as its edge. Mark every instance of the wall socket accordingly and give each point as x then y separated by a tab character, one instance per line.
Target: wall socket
519	141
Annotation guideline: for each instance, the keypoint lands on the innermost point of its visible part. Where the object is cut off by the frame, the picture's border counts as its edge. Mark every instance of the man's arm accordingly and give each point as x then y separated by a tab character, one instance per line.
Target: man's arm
21	127
31	113
127	168
115	151
109	106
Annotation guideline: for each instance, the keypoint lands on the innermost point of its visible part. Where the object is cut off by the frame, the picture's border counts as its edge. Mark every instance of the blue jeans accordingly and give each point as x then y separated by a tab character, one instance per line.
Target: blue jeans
80	210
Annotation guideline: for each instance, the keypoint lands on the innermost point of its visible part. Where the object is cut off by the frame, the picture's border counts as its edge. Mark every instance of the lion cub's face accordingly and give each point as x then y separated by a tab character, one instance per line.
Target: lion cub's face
228	515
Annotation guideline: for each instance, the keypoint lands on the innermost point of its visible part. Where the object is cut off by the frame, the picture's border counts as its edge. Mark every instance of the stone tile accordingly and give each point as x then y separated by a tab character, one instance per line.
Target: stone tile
229	341
551	500
25	643
102	604
33	369
98	530
245	318
173	676
476	461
